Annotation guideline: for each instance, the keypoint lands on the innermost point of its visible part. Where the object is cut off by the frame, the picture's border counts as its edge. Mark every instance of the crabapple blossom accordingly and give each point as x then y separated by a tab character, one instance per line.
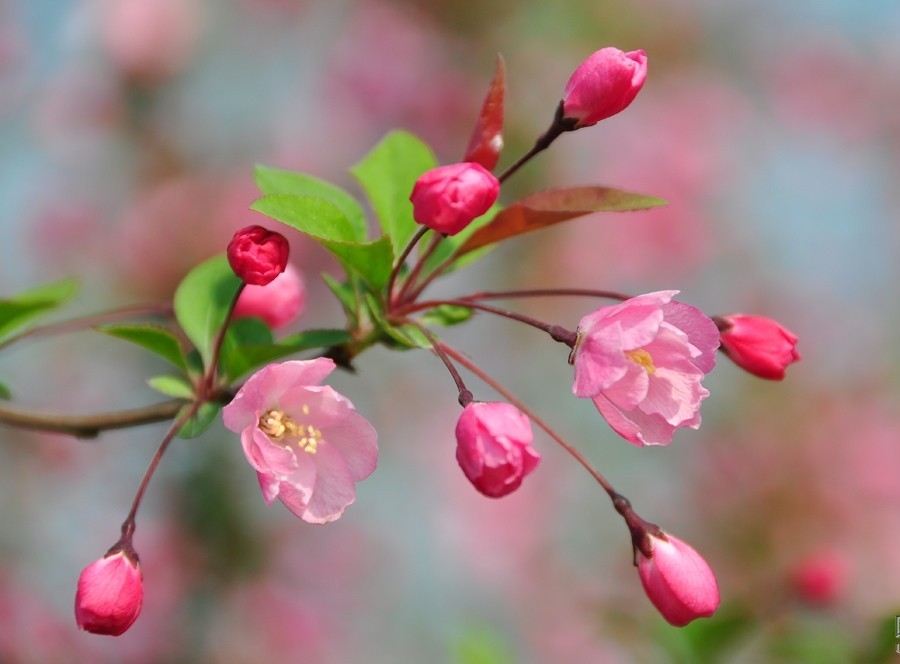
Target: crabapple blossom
758	345
257	255
603	85
448	198
677	580
306	441
642	361
110	594
278	303
494	447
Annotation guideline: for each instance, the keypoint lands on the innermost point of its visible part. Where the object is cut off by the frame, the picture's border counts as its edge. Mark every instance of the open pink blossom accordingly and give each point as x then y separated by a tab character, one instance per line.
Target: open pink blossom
110	594
494	447
306	442
603	85
278	303
758	345
642	361
677	580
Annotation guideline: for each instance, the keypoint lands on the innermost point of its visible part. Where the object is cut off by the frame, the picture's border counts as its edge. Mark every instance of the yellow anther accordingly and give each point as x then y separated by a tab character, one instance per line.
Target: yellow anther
641	357
281	429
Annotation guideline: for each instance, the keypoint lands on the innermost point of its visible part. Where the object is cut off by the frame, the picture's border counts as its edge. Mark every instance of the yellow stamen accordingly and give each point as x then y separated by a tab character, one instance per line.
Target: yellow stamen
282	430
641	357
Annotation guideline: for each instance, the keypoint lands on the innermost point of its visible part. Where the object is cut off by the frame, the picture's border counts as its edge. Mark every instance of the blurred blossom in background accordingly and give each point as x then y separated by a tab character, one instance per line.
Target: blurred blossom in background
128	131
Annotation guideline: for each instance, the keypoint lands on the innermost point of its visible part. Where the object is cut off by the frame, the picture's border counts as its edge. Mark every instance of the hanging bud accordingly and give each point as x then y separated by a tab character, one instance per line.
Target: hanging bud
448	198
257	255
109	593
757	344
677	580
603	85
278	303
494	447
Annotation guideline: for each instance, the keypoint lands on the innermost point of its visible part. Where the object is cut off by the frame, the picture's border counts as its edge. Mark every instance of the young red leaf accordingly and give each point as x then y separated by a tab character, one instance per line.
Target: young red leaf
553	206
487	136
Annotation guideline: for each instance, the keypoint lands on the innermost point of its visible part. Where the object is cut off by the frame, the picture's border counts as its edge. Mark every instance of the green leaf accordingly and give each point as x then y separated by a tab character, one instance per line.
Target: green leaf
405	337
552	206
347	295
387	174
202	301
446	314
312	215
328	226
154	338
172	386
20	309
276	181
201	420
243	359
5	392
486	141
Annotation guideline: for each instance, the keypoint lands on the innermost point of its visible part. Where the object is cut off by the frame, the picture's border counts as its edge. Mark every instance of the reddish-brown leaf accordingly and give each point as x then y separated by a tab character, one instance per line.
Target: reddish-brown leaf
553	206
487	137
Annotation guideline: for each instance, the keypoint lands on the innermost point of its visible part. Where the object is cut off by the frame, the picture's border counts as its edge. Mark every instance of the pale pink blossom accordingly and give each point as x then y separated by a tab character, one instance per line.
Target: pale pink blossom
494	447
603	85
677	580
258	255
448	198
110	594
758	345
306	442
642	361
278	303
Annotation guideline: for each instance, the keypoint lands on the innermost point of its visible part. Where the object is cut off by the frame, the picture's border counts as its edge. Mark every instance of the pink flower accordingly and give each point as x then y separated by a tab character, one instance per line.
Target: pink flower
448	198
258	255
306	442
677	580
278	303
494	447
109	594
642	361
757	344
603	85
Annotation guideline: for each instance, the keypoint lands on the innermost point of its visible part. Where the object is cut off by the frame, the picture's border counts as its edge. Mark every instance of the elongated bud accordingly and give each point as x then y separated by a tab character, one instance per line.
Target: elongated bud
258	255
757	344
677	580
448	198
494	447
603	85
110	593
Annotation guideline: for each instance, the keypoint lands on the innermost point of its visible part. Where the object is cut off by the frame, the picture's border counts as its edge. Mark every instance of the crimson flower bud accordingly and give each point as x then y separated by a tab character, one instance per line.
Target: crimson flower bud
109	594
277	303
757	344
448	198
494	447
677	580
257	255
603	85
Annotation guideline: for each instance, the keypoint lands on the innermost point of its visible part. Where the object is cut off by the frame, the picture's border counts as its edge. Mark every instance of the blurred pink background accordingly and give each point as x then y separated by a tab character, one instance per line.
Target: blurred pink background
129	129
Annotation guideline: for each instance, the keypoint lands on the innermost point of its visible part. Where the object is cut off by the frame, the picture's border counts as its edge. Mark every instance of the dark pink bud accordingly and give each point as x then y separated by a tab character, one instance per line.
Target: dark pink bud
257	255
603	85
109	594
494	447
758	344
821	577
277	303
448	198
677	580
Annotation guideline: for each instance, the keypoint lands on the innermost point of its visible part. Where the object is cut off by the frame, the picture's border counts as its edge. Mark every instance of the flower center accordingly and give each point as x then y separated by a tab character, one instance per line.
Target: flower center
641	357
282	430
